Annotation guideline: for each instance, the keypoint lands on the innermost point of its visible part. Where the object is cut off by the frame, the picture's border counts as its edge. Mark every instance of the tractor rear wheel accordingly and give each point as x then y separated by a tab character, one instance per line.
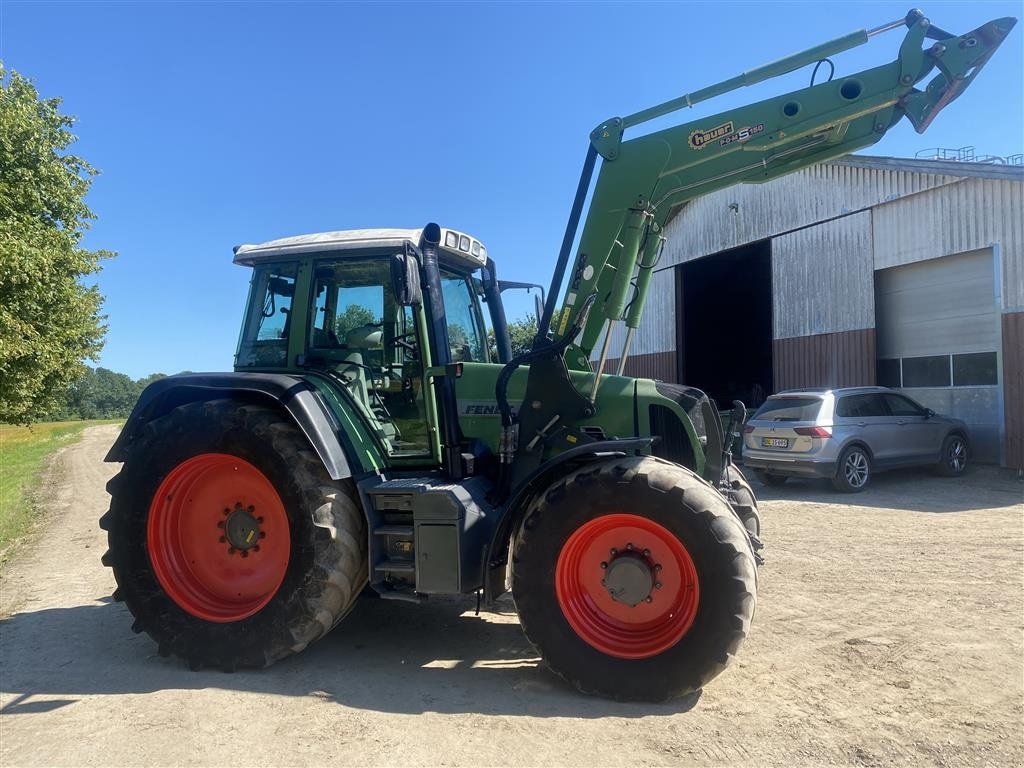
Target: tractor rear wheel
634	579
230	544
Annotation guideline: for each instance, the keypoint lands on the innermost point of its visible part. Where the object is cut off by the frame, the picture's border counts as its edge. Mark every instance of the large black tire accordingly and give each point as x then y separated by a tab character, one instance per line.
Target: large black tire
326	552
954	456
675	501
743	501
853	470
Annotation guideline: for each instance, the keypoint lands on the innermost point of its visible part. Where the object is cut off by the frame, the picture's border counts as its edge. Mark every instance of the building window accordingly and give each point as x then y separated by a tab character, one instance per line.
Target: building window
932	371
977	369
889	373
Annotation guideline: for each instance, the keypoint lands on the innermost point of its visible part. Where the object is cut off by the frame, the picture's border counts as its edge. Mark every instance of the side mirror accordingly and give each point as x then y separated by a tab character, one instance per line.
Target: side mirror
405	278
928	413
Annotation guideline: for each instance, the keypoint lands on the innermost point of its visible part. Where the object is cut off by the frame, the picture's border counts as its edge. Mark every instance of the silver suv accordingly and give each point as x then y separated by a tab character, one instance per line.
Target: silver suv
847	435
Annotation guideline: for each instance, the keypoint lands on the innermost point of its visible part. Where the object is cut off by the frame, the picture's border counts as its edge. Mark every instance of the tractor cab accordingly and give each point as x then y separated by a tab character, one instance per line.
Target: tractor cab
348	305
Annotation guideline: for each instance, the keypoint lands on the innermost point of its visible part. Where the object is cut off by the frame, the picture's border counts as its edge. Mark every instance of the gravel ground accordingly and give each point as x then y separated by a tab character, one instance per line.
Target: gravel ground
888	631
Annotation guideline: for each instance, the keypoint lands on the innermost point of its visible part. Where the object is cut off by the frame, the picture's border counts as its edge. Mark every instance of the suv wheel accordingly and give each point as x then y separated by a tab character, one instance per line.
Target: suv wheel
954	456
853	470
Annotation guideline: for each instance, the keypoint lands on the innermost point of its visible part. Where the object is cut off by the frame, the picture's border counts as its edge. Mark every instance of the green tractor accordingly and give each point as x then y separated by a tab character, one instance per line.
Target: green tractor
372	439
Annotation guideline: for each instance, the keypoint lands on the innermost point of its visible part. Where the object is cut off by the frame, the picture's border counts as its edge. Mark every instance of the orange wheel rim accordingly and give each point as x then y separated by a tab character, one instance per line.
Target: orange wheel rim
218	537
627	586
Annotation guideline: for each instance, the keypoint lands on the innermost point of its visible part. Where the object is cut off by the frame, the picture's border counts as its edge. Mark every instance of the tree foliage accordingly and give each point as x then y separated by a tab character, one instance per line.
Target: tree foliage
102	394
50	320
521	333
354	316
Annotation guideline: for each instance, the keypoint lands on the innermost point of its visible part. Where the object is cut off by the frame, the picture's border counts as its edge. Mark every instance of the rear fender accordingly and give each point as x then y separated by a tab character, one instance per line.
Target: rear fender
292	394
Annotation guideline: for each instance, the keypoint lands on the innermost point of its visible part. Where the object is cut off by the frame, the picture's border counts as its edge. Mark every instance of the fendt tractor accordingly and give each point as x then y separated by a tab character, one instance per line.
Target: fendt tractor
373	441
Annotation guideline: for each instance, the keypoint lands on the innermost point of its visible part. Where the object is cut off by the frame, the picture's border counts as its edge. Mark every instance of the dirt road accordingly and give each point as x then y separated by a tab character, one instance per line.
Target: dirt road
886	632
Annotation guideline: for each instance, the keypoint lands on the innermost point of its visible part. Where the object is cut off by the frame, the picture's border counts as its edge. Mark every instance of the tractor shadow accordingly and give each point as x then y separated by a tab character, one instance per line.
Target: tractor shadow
385	657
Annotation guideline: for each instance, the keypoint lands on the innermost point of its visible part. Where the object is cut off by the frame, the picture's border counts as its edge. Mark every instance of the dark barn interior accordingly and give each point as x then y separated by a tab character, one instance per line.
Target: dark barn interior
725	331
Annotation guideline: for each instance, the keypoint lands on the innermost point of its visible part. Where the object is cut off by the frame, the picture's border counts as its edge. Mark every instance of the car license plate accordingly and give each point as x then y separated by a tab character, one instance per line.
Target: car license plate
775	442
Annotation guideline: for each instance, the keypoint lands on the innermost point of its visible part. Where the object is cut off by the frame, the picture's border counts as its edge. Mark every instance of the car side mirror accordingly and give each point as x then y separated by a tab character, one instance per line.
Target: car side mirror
928	413
405	278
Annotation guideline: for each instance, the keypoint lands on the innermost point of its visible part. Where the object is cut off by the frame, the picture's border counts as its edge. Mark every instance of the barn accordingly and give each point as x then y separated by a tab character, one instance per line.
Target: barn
864	270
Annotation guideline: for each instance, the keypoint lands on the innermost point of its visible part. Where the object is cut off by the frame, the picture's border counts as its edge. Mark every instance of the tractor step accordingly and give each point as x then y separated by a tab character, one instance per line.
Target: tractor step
428	533
395	566
393	530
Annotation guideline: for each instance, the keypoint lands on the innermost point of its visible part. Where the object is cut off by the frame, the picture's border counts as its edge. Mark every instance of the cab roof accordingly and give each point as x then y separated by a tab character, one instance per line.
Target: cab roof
473	254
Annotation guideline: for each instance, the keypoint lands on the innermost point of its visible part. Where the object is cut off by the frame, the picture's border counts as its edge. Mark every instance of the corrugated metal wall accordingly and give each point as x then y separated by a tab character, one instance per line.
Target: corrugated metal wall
823	278
1013	387
844	359
662	366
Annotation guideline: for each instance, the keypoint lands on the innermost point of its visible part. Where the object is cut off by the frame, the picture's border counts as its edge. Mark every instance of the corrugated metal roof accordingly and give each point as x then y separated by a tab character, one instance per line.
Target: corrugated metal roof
937	167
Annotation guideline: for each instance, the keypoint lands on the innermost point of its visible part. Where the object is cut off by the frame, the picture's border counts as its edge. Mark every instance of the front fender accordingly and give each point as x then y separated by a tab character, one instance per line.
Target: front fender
293	394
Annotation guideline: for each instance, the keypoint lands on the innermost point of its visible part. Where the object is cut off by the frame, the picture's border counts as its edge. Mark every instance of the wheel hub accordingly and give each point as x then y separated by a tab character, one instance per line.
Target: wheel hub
629	579
242	528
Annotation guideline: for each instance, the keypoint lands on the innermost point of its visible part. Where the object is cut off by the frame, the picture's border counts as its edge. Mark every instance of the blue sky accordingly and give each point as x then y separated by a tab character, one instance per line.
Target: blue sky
218	124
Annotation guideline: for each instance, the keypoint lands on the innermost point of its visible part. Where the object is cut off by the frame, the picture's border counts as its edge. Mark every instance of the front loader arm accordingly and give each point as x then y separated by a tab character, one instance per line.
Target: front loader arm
641	180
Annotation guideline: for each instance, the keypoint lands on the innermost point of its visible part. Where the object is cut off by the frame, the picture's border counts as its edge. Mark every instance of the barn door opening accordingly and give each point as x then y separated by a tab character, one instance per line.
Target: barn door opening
725	332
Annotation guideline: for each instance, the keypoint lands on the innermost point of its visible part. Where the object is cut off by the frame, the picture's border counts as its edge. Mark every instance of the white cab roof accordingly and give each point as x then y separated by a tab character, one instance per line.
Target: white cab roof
342	240
454	244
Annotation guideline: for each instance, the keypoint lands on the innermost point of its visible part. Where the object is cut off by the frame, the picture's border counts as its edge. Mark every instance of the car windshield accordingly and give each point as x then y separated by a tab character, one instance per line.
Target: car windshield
789	409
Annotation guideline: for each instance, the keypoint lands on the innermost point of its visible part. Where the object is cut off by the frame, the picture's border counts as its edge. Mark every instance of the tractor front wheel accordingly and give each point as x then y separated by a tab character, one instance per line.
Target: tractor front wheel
229	543
634	579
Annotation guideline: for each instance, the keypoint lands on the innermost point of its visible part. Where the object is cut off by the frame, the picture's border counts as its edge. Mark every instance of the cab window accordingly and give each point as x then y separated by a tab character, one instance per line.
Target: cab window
466	336
264	341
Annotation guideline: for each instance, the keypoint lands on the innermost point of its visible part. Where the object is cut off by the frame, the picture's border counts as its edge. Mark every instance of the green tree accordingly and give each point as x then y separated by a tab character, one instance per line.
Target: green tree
50	319
520	336
354	316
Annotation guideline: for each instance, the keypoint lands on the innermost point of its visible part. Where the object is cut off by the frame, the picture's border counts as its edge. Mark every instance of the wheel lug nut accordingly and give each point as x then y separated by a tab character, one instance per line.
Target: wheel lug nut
614	551
629	547
220	523
648	599
657	585
222	539
256	548
263	534
231	550
252	508
245	553
227	511
657	566
647	553
259	519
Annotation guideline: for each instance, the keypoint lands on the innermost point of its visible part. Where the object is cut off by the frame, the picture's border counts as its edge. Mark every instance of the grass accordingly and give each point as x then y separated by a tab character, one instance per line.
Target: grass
23	452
